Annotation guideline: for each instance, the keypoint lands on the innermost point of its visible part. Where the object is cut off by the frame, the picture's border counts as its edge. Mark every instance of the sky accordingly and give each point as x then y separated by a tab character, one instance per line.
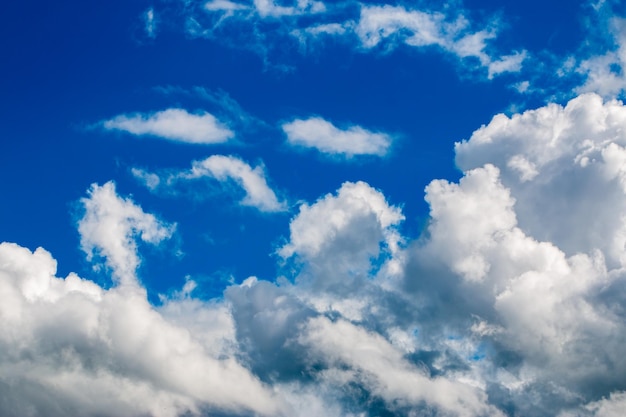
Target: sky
313	208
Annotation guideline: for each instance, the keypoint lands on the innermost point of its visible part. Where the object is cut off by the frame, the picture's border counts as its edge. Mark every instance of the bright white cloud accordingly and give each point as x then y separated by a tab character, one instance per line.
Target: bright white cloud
342	241
173	124
322	135
574	155
110	227
251	180
224	5
534	236
357	217
70	347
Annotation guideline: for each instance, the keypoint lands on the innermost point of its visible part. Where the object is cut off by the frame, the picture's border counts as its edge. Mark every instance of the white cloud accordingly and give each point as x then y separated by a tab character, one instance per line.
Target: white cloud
374	362
508	63
70	347
534	236
358	217
322	135
378	24
605	73
415	27
345	246
110	226
224	5
224	169
251	180
173	124
512	300
613	406
269	8
358	25
149	179
566	163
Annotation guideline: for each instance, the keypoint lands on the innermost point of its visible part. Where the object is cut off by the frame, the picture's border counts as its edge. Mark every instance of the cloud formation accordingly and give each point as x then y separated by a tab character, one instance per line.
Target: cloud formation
511	303
70	347
421	29
268	23
322	135
225	170
604	74
174	124
110	227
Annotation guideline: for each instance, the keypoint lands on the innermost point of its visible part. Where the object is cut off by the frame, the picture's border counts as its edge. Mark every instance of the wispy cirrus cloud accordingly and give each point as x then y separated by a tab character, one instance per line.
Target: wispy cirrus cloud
320	134
364	27
173	124
390	25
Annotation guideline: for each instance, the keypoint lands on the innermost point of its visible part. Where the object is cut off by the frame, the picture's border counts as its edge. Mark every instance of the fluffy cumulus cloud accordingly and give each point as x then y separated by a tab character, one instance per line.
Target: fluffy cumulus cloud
322	135
173	124
70	347
575	155
510	303
110	226
533	235
226	170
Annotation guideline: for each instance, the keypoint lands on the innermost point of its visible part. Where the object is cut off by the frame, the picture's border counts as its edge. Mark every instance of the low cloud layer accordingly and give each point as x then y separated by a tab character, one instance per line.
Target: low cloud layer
510	303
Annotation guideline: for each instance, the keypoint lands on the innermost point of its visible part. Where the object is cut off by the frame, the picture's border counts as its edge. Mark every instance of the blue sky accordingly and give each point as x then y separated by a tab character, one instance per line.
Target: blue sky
313	208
